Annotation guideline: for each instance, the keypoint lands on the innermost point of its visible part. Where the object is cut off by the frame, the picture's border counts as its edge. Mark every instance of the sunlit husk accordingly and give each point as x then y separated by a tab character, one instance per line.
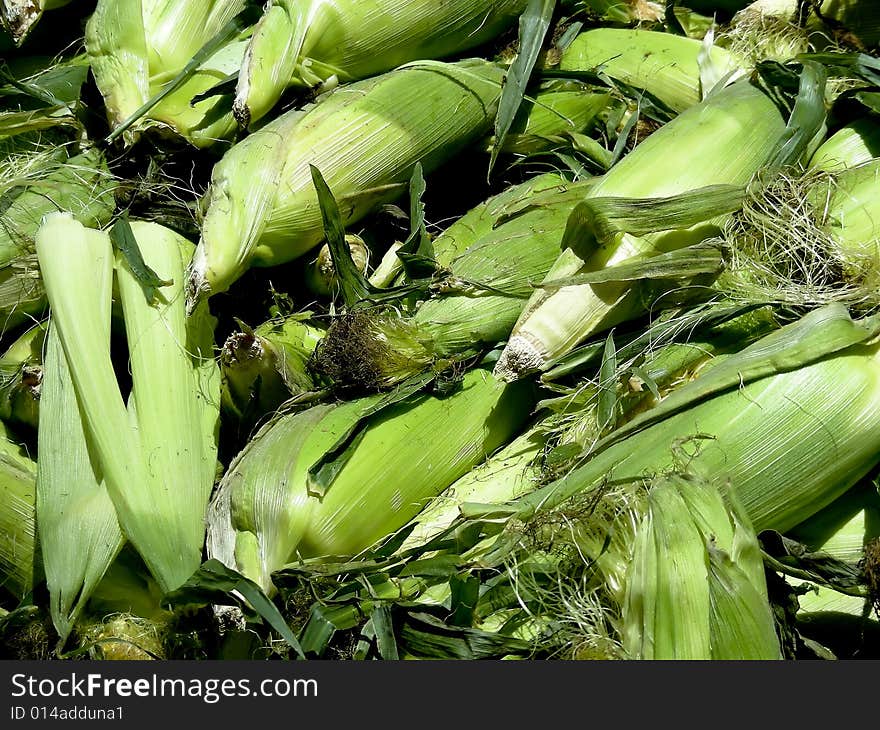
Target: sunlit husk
157	455
265	515
137	46
669	67
365	138
853	144
19	560
308	43
695	585
724	139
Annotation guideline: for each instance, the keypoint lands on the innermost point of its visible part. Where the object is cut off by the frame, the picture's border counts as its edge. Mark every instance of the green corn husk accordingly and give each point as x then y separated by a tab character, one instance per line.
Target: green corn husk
842	530
18	559
480	221
171	358
157	456
24	122
752	419
504	476
365	139
128	588
637	383
556	112
39	98
578	593
19	17
859	20
676	70
489	284
313	42
22	296
756	437
267	510
851	208
853	144
21	375
81	185
263	367
135	47
576	419
695	588
70	490
723	140
487	275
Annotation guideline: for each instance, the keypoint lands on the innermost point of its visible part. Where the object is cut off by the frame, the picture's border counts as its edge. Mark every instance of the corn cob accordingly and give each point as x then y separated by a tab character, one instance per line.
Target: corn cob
504	476
137	46
81	185
552	114
851	208
808	239
263	367
267	512
852	144
480	221
843	531
313	42
70	490
399	120
158	466
676	70
755	422
750	126
321	277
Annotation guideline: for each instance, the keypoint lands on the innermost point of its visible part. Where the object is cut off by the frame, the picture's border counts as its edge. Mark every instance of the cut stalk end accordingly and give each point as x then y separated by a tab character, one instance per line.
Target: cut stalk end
519	358
197	287
241	113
